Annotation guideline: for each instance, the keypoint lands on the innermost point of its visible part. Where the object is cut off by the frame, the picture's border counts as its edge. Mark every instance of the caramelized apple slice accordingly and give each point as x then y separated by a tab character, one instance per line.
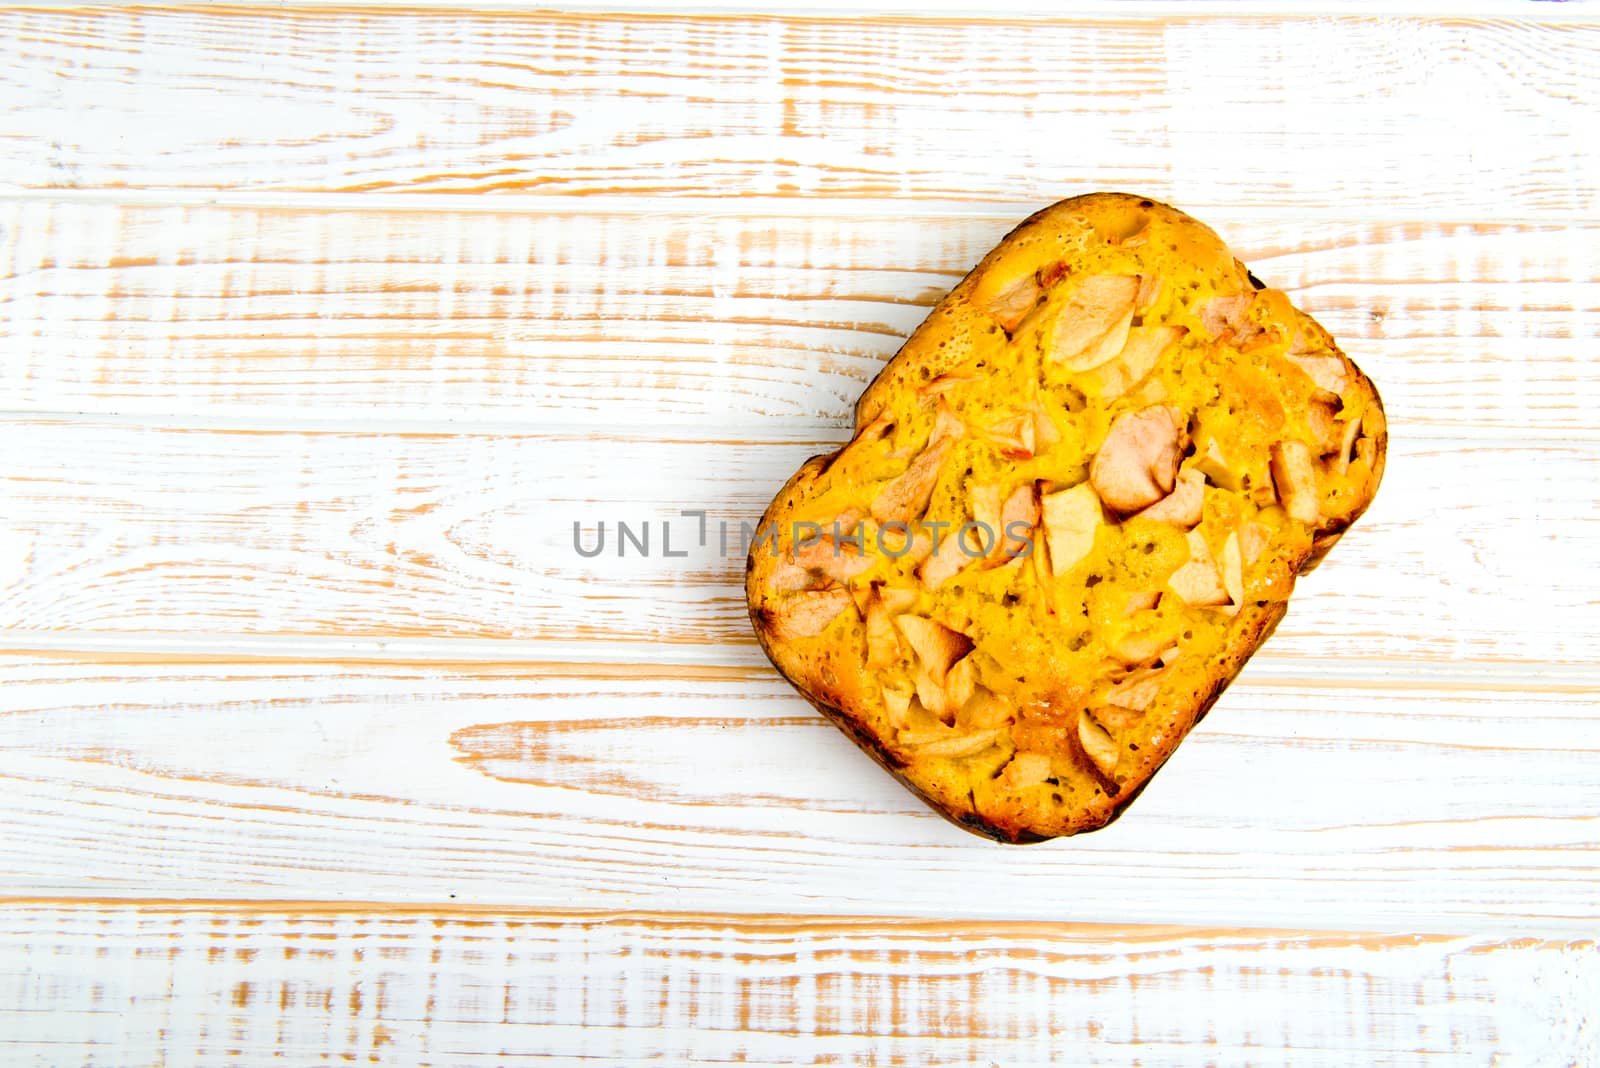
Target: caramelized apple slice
1013	435
1045	431
1093	326
945	563
807	613
1025	769
960	683
1139	602
898	706
1352	431
936	645
1097	743
1015	302
1253	540
1184	505
1326	429
1228	318
1233	571
1146	345
1137	690
944	384
906	497
948	744
1022	507
1071	519
1140	647
1328	372
1295	475
1198	582
883	646
839	561
1149	291
1137	465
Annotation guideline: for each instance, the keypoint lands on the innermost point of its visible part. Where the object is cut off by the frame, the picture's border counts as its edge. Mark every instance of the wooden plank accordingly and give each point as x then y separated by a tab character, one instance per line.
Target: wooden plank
1469	554
1571	10
747	320
1422	116
1299	802
119	983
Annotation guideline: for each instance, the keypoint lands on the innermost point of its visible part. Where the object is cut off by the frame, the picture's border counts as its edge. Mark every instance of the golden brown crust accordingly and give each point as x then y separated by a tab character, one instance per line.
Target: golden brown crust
1157	425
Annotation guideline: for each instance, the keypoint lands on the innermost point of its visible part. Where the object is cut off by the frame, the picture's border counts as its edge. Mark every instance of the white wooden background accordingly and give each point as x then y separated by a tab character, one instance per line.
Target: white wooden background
319	328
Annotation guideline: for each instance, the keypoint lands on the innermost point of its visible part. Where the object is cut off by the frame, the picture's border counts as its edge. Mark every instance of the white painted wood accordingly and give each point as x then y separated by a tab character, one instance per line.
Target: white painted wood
1469	553
673	317
1437	118
319	325
1299	803
1570	10
433	986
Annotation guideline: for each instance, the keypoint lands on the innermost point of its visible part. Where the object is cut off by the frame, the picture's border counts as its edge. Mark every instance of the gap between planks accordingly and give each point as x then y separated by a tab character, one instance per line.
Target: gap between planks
466	913
1449	115
1577	12
709	661
377	538
748	207
123	982
405	782
444	322
823	435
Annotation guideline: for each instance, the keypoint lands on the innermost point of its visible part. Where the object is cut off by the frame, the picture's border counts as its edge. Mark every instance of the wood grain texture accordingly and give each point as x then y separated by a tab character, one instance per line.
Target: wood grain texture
121	983
320	326
740	320
1299	802
1469	553
1417	116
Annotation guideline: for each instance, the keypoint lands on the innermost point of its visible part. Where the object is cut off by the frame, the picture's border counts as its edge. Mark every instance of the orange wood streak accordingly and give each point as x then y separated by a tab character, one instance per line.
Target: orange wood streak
323	314
543	104
466	669
277	625
314	912
371	981
719	779
129	529
616	756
